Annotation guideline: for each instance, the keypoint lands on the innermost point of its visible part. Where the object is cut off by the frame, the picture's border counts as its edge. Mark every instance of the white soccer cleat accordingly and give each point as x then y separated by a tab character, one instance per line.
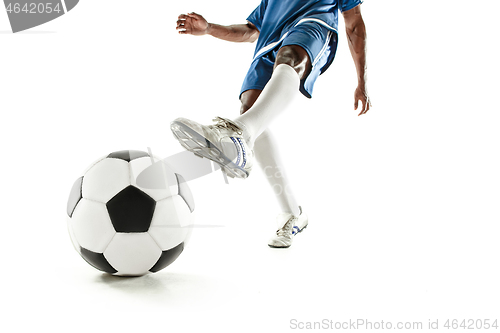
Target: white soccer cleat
224	143
289	225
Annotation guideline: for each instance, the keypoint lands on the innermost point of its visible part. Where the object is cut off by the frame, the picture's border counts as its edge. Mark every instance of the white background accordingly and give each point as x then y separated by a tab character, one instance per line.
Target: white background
403	201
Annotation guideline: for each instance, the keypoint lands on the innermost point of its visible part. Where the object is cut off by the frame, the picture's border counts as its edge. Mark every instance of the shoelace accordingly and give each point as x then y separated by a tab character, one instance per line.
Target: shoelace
226	124
285	231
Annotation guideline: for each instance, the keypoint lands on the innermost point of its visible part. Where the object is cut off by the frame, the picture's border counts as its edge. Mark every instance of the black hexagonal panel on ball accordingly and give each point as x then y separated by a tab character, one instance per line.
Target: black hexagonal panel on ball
131	210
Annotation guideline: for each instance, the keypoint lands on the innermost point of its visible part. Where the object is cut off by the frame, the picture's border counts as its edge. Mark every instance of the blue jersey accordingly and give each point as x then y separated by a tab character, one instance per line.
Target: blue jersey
273	18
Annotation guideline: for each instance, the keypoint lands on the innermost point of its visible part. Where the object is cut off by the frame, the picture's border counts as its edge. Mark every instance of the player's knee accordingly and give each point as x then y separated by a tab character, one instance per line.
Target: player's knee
294	56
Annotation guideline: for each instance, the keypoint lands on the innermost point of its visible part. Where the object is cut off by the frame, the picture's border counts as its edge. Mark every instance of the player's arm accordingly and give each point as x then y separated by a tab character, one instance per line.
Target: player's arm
356	36
195	24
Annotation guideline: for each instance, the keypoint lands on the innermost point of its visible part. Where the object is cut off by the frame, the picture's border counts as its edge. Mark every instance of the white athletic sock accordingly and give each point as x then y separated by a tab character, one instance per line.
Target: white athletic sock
267	155
276	96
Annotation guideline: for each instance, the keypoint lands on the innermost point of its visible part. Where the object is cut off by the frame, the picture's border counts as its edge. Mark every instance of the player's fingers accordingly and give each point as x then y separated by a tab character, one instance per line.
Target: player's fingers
182	17
363	107
355	103
195	15
184	31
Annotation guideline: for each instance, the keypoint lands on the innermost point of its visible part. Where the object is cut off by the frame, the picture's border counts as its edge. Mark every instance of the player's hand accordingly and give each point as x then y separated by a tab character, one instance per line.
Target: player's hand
360	94
192	24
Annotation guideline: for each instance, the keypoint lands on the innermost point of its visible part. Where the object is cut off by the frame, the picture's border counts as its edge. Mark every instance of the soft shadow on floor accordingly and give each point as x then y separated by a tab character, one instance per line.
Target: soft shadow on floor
177	289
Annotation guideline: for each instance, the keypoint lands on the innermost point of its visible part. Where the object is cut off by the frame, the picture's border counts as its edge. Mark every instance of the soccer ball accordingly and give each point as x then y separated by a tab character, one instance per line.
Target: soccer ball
125	227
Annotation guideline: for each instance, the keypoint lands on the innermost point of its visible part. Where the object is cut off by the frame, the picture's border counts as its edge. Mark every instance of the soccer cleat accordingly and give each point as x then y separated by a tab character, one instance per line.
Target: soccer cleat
289	226
224	143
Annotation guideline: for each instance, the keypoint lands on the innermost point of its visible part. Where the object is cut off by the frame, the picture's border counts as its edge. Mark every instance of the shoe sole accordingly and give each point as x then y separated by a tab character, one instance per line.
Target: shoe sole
278	247
196	143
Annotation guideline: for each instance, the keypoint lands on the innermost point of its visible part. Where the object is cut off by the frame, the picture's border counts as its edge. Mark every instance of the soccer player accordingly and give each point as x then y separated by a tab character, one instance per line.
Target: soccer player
296	42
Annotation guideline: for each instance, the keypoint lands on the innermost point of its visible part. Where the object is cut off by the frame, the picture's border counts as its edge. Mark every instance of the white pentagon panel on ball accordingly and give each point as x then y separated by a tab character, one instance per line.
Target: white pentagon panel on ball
172	222
91	225
105	179
132	254
158	180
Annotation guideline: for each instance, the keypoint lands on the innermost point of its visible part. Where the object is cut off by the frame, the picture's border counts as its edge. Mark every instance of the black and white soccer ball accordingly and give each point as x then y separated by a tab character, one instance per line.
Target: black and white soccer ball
124	228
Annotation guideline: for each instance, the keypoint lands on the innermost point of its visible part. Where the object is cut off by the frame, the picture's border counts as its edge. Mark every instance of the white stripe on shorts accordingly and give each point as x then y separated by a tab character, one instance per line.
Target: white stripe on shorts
271	46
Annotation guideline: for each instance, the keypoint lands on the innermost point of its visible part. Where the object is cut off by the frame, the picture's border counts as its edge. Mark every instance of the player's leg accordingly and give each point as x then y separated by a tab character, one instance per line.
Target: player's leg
292	64
229	142
267	155
291	221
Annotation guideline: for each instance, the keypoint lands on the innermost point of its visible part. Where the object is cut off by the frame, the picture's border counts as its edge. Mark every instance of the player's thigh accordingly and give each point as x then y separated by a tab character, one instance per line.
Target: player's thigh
296	57
248	98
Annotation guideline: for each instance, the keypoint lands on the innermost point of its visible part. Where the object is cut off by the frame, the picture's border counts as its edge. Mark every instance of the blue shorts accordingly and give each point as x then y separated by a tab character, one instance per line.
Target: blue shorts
320	44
